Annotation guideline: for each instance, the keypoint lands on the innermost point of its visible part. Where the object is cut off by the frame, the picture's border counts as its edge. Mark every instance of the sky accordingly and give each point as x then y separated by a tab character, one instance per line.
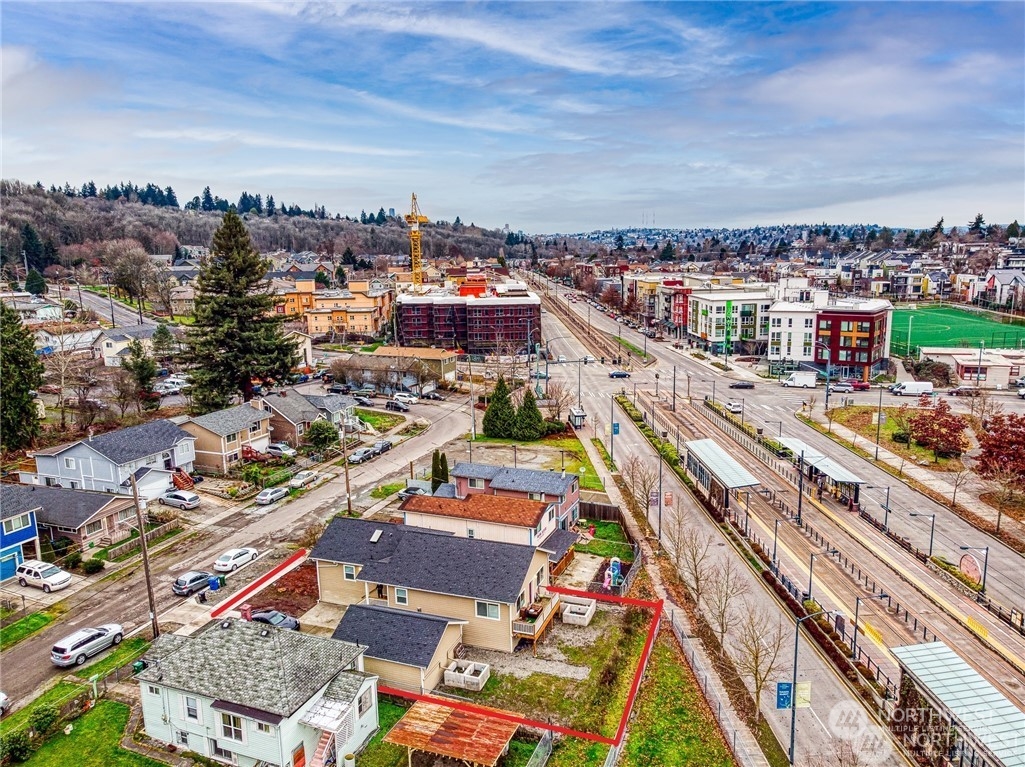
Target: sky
546	117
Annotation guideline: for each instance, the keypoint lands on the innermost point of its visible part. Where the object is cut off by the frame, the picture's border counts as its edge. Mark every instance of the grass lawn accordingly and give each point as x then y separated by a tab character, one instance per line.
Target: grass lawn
949	326
93	742
638	352
609	541
126	652
377	753
25	627
380	421
573	457
859	418
672	724
600	447
59	694
383	491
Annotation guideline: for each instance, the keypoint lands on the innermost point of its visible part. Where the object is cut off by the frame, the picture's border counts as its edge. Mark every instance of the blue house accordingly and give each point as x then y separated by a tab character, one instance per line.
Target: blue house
19	538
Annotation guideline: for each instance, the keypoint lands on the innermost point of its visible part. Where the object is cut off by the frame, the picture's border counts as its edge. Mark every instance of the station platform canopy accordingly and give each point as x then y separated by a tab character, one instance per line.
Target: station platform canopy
823	464
720	464
987	719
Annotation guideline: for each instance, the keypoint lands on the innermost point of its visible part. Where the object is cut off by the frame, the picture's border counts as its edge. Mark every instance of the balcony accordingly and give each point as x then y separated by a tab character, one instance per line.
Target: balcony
535	617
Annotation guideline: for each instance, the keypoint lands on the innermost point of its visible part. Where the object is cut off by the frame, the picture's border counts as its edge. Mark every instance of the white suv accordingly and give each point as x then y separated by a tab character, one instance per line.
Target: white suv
405	398
42	575
735	407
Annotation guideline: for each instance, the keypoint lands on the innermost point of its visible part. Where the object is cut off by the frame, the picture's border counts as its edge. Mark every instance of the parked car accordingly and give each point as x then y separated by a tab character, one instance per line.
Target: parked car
5	703
409	492
270	494
302	479
73	649
366	392
42	575
281	450
562	358
618	374
735	407
405	398
188	584
433	395
398	407
338	388
841	388
742	385
276	618
363	401
383	446
233	559
49	389
181	499
362	454
540	374
965	391
859	385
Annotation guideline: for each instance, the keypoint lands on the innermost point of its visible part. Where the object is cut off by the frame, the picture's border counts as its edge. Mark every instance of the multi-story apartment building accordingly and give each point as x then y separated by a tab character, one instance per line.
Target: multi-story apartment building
672	302
363	308
730	320
498	319
853	336
792	332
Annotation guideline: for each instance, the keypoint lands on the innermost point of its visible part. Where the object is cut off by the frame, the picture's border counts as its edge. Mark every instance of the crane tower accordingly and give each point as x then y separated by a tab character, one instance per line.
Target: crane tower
414	218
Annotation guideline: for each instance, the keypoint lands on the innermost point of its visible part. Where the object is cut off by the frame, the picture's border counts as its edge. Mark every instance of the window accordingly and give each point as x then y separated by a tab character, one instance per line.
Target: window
17	523
551	513
349	572
217	751
231	727
366	701
94	527
74	485
183	738
536	496
808	322
476	484
777	322
183	448
191	709
401	597
489	610
152	690
125	514
232	437
470	532
255	429
69	463
262	727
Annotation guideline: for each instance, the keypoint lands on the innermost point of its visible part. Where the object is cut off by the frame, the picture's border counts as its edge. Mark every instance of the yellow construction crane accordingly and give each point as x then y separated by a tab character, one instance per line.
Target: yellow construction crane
414	218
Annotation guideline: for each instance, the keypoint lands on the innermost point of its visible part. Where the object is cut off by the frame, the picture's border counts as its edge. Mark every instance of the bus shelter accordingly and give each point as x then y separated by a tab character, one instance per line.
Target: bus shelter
824	471
716	471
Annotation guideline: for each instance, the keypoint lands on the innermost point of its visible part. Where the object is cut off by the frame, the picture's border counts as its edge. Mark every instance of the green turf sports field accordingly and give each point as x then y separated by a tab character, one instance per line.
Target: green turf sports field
947	326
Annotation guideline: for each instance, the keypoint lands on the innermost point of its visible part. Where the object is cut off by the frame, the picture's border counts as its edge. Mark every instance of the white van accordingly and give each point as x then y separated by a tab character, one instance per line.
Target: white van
913	388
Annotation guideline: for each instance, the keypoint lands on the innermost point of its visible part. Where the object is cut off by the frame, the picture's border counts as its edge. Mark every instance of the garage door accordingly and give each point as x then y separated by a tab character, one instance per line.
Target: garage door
8	566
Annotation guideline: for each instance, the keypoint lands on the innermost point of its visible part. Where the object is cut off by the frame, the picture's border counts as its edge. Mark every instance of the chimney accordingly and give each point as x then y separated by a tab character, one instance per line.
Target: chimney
247	612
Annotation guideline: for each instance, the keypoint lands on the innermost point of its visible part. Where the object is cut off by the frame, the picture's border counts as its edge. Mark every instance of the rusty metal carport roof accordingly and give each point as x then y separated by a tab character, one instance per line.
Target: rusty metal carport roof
472	737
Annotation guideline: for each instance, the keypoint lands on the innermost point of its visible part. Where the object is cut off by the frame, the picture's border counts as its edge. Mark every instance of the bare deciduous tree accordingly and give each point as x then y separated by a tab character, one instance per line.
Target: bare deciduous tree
640	478
985	405
559	398
691	553
124	390
958	479
757	651
724	586
160	288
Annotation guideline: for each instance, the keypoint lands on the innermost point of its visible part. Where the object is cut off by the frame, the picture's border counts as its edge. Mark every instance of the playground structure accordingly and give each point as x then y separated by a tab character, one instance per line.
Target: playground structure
614	573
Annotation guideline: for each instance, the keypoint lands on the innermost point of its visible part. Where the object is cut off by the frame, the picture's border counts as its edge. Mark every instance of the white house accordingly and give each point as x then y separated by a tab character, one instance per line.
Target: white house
152	451
249	694
113	343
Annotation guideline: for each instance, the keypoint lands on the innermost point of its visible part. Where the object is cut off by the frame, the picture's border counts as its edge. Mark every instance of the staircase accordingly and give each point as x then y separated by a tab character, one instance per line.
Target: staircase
182	480
324	747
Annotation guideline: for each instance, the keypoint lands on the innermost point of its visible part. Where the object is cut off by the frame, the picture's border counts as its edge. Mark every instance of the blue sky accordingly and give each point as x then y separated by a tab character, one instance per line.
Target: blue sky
547	117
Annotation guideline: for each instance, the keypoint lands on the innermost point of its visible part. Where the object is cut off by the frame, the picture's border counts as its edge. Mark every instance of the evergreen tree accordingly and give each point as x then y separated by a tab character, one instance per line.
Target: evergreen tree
170	198
978	226
236	336
271	207
444	467
322	280
530	424
321	435
163	343
1014	229
143	370
340	277
32	247
500	417
34	283
381	217
435	470
208	200
22	373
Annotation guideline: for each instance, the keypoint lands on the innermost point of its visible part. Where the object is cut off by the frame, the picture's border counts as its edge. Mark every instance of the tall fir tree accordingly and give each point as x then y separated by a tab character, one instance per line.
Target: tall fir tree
500	417
143	370
22	373
530	424
32	247
435	470
444	467
34	283
236	336
164	343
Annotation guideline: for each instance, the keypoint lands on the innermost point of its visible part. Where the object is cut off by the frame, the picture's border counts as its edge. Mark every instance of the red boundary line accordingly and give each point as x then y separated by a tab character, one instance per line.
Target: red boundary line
495	713
256	585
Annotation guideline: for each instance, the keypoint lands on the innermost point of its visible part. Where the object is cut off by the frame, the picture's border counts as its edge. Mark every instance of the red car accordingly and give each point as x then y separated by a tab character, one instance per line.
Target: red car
859	385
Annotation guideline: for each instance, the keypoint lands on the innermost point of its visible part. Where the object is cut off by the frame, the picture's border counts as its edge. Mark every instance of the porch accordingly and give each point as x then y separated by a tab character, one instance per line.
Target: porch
535	618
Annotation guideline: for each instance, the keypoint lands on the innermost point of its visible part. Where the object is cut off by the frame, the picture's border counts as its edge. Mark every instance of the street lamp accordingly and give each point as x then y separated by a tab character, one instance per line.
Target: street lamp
780	427
932	527
985	562
857	605
885	505
825	346
910	317
811	568
775	538
793	682
879	421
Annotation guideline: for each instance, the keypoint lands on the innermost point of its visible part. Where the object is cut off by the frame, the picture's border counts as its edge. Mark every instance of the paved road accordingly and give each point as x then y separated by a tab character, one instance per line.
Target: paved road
123	600
123	315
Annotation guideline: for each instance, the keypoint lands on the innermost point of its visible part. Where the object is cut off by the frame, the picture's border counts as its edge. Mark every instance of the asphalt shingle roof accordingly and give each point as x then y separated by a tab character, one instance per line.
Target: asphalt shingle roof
427	560
331	403
251	664
292	405
400	636
131	444
231	420
519	480
55	506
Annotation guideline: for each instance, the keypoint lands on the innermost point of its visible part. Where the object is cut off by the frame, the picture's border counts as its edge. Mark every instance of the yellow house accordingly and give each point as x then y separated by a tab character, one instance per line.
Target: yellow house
361	309
498	591
222	437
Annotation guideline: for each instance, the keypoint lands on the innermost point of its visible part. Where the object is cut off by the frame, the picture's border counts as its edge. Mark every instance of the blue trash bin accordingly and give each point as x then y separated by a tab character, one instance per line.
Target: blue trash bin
214	583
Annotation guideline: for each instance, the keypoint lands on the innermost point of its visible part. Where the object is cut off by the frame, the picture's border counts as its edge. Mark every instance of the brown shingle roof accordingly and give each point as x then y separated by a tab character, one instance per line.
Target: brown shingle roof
486	508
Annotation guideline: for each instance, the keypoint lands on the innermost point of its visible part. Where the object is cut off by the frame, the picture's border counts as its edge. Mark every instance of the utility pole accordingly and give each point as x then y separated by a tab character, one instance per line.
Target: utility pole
145	559
345	465
612	430
674	388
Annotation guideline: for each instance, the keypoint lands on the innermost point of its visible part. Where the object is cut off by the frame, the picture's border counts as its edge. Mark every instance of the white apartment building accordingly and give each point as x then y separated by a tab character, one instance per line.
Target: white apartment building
734	320
792	331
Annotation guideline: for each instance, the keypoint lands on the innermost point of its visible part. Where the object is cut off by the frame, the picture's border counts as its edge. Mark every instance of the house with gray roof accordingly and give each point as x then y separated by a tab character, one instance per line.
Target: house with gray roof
153	452
499	589
84	516
292	412
225	437
558	488
250	694
112	344
405	649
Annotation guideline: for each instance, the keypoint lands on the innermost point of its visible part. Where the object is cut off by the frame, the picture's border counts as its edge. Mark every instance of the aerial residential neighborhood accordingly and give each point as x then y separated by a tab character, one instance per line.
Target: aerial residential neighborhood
512	385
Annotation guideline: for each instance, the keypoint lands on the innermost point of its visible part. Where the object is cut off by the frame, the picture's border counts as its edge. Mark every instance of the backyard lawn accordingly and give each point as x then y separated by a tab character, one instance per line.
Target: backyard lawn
380	421
93	742
609	541
57	695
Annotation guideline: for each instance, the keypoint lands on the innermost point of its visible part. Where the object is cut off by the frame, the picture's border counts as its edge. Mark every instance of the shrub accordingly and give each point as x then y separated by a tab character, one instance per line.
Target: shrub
43	717
310	535
901	436
61	545
92	566
15	745
72	560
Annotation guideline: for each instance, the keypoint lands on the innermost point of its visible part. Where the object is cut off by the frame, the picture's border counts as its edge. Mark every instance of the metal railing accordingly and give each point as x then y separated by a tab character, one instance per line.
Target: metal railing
543	751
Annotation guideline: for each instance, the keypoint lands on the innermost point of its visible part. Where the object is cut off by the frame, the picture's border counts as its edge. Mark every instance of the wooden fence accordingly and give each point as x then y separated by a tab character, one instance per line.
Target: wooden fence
116	551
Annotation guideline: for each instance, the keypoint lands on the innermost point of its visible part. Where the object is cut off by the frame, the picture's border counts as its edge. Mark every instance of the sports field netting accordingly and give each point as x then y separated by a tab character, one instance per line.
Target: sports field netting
947	326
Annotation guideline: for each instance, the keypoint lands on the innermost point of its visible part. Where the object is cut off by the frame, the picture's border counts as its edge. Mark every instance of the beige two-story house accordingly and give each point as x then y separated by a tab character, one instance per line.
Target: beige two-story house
499	589
223	437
